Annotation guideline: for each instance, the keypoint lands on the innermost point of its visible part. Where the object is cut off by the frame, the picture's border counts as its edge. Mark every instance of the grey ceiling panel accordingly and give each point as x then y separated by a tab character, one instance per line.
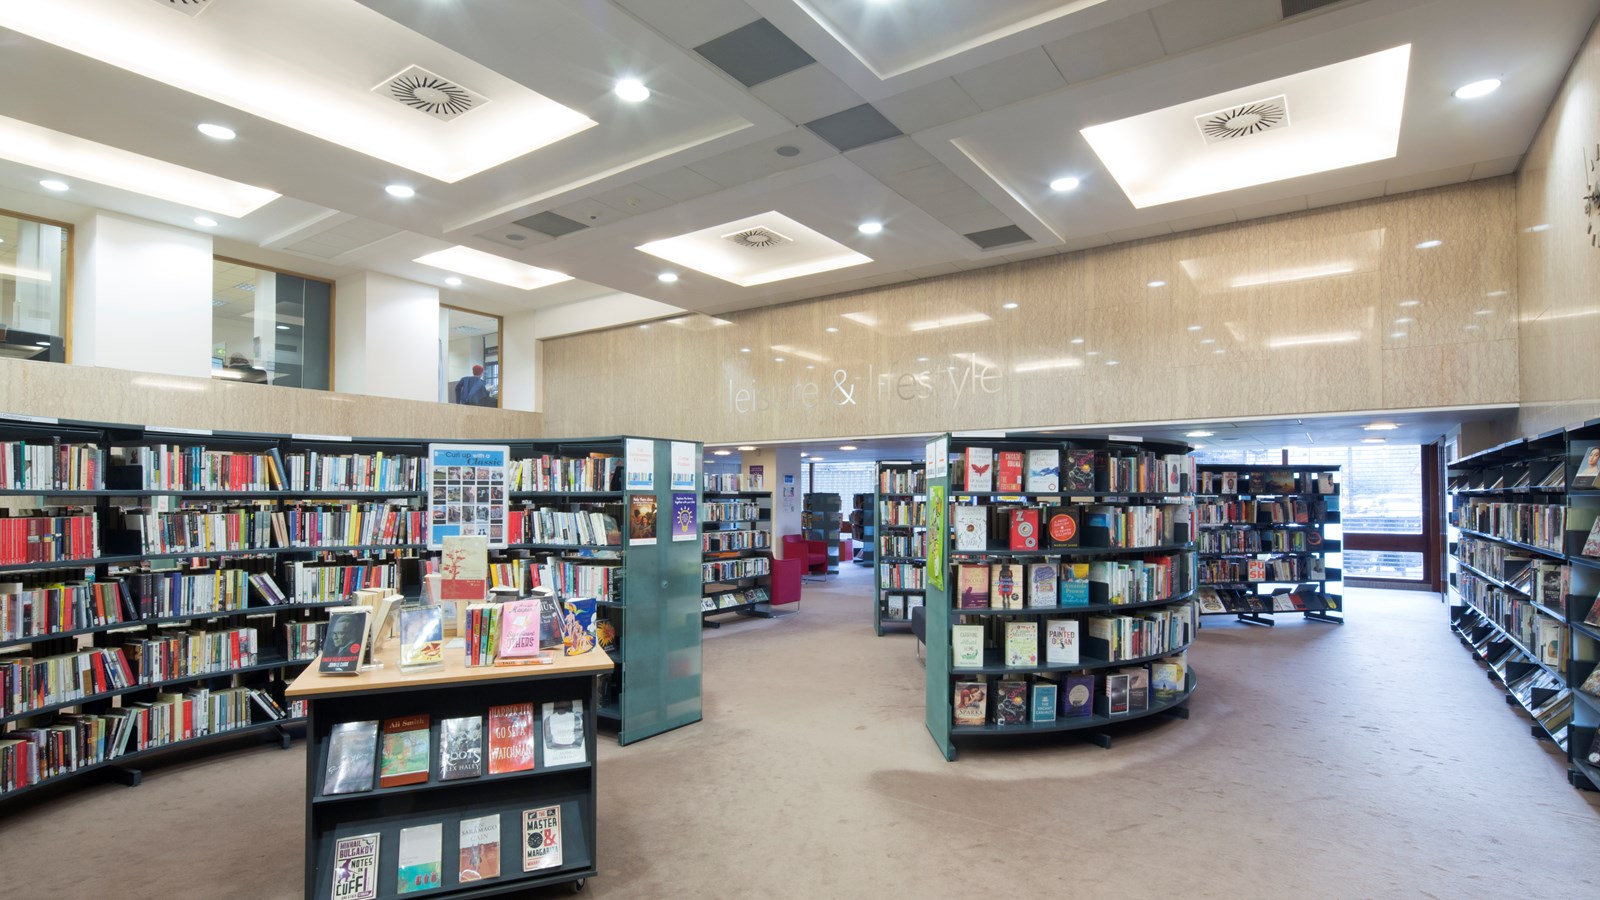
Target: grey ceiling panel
755	53
1296	7
998	237
552	224
855	127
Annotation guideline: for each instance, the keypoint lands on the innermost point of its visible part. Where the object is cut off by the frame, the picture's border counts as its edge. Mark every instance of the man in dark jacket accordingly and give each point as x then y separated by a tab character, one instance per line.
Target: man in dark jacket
472	390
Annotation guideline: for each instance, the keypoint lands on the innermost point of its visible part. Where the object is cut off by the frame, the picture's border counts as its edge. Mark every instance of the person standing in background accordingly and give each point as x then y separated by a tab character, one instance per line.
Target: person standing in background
472	390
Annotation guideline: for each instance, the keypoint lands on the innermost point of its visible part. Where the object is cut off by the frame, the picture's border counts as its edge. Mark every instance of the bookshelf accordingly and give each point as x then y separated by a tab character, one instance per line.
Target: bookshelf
455	691
899	563
1522	592
1264	542
820	521
864	528
1114	523
736	548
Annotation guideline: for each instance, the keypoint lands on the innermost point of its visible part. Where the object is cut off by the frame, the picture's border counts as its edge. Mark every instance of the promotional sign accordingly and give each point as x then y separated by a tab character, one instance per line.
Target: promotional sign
936	536
642	519
682	466
685	513
467	492
641	465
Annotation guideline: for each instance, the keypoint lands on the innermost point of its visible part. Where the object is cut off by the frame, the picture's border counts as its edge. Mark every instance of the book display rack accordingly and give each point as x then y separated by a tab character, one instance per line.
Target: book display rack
736	548
864	528
1061	578
900	563
1524	578
820	521
1264	546
458	782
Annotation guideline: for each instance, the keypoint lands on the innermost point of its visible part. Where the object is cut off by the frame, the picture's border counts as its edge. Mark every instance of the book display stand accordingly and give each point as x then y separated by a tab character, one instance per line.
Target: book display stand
736	548
901	550
1264	543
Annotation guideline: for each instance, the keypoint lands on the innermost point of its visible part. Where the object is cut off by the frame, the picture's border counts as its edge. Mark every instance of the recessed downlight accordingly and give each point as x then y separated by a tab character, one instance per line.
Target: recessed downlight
722	453
1474	90
453	281
747	449
205	221
1077	340
1397	334
847	446
631	90
870	227
1065	184
1410	303
53	184
219	132
922	359
1374	440
667	277
1429	244
1200	434
777	359
1208	340
402	191
1381	426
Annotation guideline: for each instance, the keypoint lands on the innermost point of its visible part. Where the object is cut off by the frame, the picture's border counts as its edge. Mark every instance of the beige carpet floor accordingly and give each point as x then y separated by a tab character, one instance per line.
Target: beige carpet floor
1369	760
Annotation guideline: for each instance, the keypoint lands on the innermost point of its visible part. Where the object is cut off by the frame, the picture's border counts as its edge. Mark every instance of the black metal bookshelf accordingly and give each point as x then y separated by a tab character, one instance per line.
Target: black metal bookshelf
750	524
900	511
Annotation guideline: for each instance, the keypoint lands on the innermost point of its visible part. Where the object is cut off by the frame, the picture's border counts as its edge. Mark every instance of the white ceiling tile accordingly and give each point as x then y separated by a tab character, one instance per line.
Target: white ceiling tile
928	106
934	179
974	220
1189	223
1187	24
692	24
1120	45
901	154
1014	78
955	202
1345	195
680	185
761	159
1438	178
633	200
1270	208
1496	167
807	93
1155	229
591	213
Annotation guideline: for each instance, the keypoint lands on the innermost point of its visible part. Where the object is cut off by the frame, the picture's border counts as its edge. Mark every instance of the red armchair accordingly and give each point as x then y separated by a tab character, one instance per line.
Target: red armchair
785	581
813	555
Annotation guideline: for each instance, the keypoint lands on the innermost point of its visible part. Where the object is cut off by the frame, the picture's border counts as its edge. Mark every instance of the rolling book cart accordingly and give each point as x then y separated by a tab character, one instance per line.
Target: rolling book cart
900	560
1124	512
736	548
1264	542
452	691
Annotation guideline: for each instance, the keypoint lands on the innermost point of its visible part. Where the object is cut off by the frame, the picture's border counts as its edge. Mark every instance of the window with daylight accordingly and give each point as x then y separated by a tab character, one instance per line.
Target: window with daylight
35	267
270	327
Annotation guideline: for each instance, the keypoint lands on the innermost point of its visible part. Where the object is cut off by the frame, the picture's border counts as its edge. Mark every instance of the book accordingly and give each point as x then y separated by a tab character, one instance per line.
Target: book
1116	694
1166	681
1011	703
1588	470
1138	689
979	469
1591	544
1005	586
268	589
355	867
519	629
972	581
1044	702
1061	524
1594	750
1077	471
421	637
460	748
1072	582
511	744
345	639
966	646
352	747
541	839
1042	585
405	751
564	733
1210	600
1593	618
1008	472
1061	642
1024	529
480	848
972	701
1022	644
1044	472
971	528
421	858
1077	696
1591	685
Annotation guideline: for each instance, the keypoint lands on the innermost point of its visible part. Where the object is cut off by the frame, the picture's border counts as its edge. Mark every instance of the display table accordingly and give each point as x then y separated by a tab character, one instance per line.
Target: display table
451	692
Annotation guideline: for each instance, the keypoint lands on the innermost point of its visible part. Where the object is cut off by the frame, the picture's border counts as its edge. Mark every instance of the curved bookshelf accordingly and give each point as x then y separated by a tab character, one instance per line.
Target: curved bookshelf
1096	720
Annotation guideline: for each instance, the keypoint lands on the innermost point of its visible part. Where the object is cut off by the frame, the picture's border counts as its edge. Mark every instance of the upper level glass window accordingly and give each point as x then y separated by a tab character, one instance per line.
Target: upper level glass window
469	367
35	269
270	327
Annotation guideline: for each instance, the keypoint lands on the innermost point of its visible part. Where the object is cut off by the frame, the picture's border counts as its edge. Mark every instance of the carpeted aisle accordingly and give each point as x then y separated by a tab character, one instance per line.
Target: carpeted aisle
1369	760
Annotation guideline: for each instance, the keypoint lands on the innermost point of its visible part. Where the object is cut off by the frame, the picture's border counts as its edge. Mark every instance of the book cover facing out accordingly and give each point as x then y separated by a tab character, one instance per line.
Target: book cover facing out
479	849
460	748
1044	703
541	839
1077	695
355	867
511	743
405	751
421	858
971	702
564	733
352	748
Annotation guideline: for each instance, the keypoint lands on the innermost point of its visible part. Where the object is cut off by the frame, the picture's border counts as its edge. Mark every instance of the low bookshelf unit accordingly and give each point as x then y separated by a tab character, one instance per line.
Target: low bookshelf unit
735	547
901	551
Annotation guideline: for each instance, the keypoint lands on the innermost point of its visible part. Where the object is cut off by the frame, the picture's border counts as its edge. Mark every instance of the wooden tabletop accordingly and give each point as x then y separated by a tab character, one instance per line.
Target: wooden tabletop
313	683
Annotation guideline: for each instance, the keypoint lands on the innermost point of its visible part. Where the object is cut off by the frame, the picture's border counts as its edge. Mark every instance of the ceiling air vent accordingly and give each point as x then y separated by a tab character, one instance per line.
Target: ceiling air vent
757	238
1244	120
426	92
191	7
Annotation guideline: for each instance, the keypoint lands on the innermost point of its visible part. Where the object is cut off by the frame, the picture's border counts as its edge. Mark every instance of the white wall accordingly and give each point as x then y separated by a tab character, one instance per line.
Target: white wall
386	337
597	313
519	362
777	462
142	297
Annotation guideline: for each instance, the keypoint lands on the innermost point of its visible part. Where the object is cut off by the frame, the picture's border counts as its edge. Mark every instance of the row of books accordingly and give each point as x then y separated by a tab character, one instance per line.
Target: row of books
730	569
578	528
314	582
34	612
729	510
1539	524
733	483
303	640
570	579
1044	697
197	652
596	472
741	539
903	512
898	607
902	481
731	599
1278	540
419	857
1547	474
1014	643
1231	601
1490	558
1044	585
915	544
203	530
1271	481
1281	569
1050	470
978	528
316	471
162	594
348	525
1282	511
52	466
173	467
1545	636
1547	700
47	536
29	683
902	576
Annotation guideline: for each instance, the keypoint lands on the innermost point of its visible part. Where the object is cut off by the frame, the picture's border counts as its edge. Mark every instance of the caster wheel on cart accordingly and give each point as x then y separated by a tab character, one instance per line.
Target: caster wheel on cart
577	886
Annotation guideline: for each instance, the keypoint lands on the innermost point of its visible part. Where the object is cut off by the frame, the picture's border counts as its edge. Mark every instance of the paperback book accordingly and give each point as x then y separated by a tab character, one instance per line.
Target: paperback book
1078	471
405	751
1011	703
1008	472
563	733
346	638
972	581
355	867
460	748
480	849
541	839
1044	471
1061	524
1024	529
351	749
1005	586
979	469
966	646
519	629
971	528
421	858
1042	585
1022	644
1044	702
1077	695
1061	642
972	701
511	741
421	637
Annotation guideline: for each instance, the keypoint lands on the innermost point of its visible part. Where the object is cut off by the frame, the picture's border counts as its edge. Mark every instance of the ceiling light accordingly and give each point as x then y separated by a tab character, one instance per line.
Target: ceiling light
453	281
1092	353
747	449
403	191
220	132
53	184
667	277
644	327
831	330
1157	283
1200	434
1065	184
487	266
1429	244
1194	327
1535	229
1008	306
1219	351
1469	328
870	227
283	328
816	458
205	221
710	250
847	447
1495	294
1374	440
811	367
744	349
1307	273
1476	89
721	452
1410	303
631	90
1381	426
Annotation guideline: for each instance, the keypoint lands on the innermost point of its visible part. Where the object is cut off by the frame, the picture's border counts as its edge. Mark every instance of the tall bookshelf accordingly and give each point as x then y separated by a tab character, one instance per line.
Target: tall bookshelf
736	548
1130	605
900	560
1264	546
864	528
819	521
1522	590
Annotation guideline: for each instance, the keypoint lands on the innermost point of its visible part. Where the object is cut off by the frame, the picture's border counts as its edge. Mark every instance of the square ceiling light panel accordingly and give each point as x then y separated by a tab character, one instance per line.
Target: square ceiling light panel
328	68
895	38
756	250
498	269
1339	115
82	160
